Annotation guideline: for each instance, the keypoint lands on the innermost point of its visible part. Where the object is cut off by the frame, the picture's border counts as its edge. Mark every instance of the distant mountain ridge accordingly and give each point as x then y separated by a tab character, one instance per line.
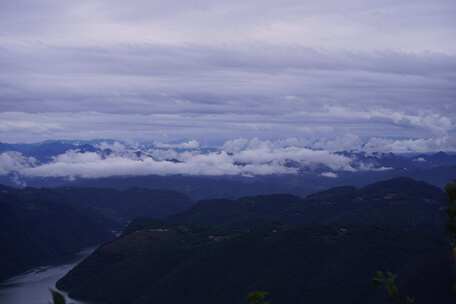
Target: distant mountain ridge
337	205
434	168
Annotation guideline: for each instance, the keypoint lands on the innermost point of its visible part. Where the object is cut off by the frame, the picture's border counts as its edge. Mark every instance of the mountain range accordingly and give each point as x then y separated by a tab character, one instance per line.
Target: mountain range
323	248
44	165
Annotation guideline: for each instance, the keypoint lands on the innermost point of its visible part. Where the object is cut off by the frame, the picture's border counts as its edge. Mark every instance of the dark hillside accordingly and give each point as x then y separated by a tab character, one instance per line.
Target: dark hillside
36	231
320	249
39	226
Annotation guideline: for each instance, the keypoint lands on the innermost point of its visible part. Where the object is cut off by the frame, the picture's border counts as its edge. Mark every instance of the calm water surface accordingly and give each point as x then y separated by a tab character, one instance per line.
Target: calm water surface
33	286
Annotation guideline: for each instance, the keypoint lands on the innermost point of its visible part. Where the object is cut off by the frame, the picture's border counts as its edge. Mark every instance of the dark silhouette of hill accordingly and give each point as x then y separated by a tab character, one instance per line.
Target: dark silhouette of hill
232	187
320	249
39	226
390	203
35	230
125	205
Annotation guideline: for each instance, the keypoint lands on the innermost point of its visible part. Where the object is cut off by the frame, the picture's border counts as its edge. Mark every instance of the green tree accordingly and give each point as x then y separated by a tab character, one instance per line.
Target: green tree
258	297
57	297
388	281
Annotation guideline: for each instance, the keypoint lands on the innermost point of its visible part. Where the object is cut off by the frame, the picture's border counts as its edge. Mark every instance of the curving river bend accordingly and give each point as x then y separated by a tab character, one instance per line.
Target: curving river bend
33	286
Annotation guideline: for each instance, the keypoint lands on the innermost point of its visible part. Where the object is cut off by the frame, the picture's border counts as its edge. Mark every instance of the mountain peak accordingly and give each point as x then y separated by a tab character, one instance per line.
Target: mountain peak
406	186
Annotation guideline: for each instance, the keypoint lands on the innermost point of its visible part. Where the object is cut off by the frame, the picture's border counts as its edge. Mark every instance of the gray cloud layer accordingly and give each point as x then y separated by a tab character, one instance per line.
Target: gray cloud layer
381	71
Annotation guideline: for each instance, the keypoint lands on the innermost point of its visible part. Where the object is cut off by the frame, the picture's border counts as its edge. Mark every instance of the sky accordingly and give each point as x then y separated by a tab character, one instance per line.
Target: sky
378	74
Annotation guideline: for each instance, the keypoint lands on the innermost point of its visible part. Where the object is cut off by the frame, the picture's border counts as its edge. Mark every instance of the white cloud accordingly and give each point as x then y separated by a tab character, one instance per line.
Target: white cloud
13	162
247	157
329	174
433	122
191	144
256	157
419	160
92	165
304	156
116	146
235	145
377	144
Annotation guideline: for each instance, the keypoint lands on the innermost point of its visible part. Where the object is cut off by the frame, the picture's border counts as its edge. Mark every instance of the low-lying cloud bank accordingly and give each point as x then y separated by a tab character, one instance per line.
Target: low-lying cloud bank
242	157
237	157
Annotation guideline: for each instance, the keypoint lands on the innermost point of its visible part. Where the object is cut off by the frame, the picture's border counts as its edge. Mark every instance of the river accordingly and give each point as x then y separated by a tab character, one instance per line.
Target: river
33	286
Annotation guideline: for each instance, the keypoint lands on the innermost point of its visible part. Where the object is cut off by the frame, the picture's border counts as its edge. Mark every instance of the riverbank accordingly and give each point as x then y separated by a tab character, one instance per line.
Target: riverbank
32	287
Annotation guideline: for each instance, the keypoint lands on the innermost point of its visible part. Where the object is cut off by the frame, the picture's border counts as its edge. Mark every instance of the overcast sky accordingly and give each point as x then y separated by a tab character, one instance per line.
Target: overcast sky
379	71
